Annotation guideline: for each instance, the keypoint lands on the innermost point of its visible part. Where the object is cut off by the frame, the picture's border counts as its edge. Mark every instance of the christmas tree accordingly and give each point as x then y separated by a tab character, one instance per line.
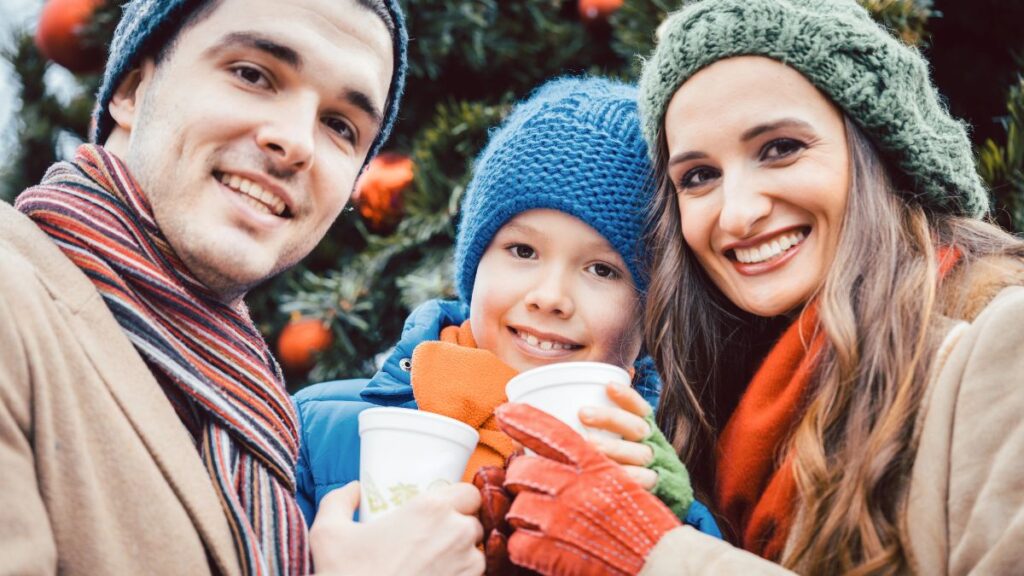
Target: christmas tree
391	250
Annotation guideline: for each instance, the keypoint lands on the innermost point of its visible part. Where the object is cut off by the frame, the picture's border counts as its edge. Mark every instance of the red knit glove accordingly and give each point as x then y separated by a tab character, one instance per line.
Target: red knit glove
575	510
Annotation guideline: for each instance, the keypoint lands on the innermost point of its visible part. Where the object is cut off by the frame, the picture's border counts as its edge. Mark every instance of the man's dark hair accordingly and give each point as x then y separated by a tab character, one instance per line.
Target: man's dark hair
201	9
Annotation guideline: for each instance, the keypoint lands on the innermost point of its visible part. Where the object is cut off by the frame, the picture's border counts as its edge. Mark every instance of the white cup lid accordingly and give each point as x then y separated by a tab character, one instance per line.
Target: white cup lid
409	419
564	373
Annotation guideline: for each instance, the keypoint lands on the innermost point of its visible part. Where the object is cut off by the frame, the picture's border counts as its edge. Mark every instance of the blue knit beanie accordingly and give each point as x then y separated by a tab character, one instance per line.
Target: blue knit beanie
146	25
574	146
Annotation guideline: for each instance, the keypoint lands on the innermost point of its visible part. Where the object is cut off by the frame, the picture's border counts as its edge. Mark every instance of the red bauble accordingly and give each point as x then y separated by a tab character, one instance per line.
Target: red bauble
379	191
591	10
59	35
300	341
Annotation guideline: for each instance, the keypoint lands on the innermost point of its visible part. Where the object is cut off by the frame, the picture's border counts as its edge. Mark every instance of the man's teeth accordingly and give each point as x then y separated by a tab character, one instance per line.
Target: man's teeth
543	344
249	189
769	249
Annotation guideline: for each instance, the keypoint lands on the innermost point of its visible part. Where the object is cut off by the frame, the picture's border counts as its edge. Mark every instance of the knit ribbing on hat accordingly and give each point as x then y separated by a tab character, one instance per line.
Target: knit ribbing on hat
883	85
146	25
574	146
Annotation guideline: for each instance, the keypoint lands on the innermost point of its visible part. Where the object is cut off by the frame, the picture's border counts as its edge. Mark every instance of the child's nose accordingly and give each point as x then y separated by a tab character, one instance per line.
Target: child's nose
551	294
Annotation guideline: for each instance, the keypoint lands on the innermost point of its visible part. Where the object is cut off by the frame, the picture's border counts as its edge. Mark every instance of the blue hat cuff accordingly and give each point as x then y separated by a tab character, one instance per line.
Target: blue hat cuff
147	24
590	164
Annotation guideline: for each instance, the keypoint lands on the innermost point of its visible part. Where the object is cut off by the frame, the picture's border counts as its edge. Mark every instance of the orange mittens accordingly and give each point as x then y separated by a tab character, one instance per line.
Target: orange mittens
575	510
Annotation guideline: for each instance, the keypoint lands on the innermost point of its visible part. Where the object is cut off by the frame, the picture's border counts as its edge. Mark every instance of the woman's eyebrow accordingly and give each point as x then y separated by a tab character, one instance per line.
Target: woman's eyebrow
768	127
685	157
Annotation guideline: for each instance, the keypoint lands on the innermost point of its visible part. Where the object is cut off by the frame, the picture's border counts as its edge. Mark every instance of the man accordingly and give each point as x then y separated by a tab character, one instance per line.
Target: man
144	427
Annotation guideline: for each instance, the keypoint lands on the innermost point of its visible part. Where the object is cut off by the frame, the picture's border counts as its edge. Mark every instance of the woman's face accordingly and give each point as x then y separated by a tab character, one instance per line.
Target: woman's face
759	160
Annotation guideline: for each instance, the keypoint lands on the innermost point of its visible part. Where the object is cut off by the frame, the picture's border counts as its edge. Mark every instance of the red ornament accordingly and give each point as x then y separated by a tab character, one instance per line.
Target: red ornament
59	35
591	10
300	341
378	193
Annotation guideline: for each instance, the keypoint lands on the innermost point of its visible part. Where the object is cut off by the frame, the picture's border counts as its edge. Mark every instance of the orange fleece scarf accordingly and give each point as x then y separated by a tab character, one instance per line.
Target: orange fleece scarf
754	495
454	378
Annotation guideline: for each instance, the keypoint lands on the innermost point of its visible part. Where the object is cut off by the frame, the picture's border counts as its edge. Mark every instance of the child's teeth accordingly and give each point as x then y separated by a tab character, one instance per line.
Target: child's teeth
545	345
531	339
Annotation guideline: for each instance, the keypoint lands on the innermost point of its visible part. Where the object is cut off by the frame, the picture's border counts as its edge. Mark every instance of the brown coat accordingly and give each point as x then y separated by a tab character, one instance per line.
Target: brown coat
965	510
97	473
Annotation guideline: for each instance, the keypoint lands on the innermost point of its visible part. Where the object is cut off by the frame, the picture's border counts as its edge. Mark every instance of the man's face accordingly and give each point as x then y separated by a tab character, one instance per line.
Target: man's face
248	137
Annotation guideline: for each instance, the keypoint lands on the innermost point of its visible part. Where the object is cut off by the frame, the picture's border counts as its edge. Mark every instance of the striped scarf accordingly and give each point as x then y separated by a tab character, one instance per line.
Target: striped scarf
204	352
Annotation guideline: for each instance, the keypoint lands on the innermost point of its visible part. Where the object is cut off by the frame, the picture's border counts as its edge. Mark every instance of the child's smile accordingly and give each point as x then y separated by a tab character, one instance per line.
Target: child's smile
543	344
550	289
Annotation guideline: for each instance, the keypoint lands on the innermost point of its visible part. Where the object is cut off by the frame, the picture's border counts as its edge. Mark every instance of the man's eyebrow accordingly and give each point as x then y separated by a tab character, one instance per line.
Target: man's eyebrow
362	101
292	58
259	42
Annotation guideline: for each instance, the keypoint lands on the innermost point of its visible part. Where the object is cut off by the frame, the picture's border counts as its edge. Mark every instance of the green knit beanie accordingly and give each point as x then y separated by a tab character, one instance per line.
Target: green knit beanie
879	82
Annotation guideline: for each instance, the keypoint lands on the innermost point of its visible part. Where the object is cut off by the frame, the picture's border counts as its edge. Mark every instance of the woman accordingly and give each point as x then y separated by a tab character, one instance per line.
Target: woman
839	334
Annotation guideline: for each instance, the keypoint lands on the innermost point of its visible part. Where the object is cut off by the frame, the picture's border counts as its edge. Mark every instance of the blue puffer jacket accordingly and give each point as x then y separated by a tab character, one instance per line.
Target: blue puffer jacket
329	412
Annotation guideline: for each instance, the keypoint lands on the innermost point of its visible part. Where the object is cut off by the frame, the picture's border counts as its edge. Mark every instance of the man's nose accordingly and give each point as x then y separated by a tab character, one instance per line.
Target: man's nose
289	136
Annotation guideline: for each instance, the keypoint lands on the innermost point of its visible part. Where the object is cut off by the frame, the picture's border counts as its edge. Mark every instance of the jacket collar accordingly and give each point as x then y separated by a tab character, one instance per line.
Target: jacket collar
392	383
425	323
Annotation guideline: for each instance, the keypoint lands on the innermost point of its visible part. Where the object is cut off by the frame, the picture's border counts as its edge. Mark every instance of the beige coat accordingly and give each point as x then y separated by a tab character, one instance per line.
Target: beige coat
966	502
97	473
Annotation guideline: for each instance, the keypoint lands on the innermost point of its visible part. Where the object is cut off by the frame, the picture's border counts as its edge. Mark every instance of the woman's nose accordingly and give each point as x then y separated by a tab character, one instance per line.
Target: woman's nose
744	204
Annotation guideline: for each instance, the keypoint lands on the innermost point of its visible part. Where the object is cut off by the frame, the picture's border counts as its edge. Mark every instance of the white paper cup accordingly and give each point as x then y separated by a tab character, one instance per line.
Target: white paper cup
562	389
404	452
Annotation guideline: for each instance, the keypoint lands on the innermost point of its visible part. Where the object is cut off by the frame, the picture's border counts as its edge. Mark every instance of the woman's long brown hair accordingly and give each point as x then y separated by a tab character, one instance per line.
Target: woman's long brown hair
854	447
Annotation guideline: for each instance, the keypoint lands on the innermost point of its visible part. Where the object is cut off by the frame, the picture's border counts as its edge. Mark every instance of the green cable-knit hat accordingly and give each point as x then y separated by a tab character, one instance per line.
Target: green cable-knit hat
879	82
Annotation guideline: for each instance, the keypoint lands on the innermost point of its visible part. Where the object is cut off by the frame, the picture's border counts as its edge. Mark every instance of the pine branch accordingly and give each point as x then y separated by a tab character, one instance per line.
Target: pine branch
1002	166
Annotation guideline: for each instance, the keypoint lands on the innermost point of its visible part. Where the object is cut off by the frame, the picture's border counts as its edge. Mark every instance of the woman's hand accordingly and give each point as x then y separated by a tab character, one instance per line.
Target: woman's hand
644	453
628	420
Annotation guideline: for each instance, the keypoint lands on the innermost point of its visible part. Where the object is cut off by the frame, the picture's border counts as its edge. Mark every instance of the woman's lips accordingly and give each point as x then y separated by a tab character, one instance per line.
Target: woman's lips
775	262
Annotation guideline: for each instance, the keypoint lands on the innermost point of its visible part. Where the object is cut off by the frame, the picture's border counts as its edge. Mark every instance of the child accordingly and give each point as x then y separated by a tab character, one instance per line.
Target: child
548	270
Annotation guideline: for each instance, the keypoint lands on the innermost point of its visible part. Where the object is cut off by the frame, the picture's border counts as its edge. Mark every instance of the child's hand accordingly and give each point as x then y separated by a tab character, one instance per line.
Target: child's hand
627	420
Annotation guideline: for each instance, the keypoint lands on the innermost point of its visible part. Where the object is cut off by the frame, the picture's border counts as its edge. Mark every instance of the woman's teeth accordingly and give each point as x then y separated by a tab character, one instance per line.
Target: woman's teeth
542	344
770	249
259	198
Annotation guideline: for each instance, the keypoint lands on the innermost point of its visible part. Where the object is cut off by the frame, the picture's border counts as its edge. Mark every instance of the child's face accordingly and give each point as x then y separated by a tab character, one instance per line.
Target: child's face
551	289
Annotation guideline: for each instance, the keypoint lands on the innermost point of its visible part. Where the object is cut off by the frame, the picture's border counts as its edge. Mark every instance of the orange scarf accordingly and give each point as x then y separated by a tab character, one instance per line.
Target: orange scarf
757	497
754	495
454	378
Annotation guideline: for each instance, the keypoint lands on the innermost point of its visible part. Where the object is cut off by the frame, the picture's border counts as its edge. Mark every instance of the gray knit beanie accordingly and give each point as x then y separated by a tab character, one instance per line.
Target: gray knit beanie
879	82
574	146
147	25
